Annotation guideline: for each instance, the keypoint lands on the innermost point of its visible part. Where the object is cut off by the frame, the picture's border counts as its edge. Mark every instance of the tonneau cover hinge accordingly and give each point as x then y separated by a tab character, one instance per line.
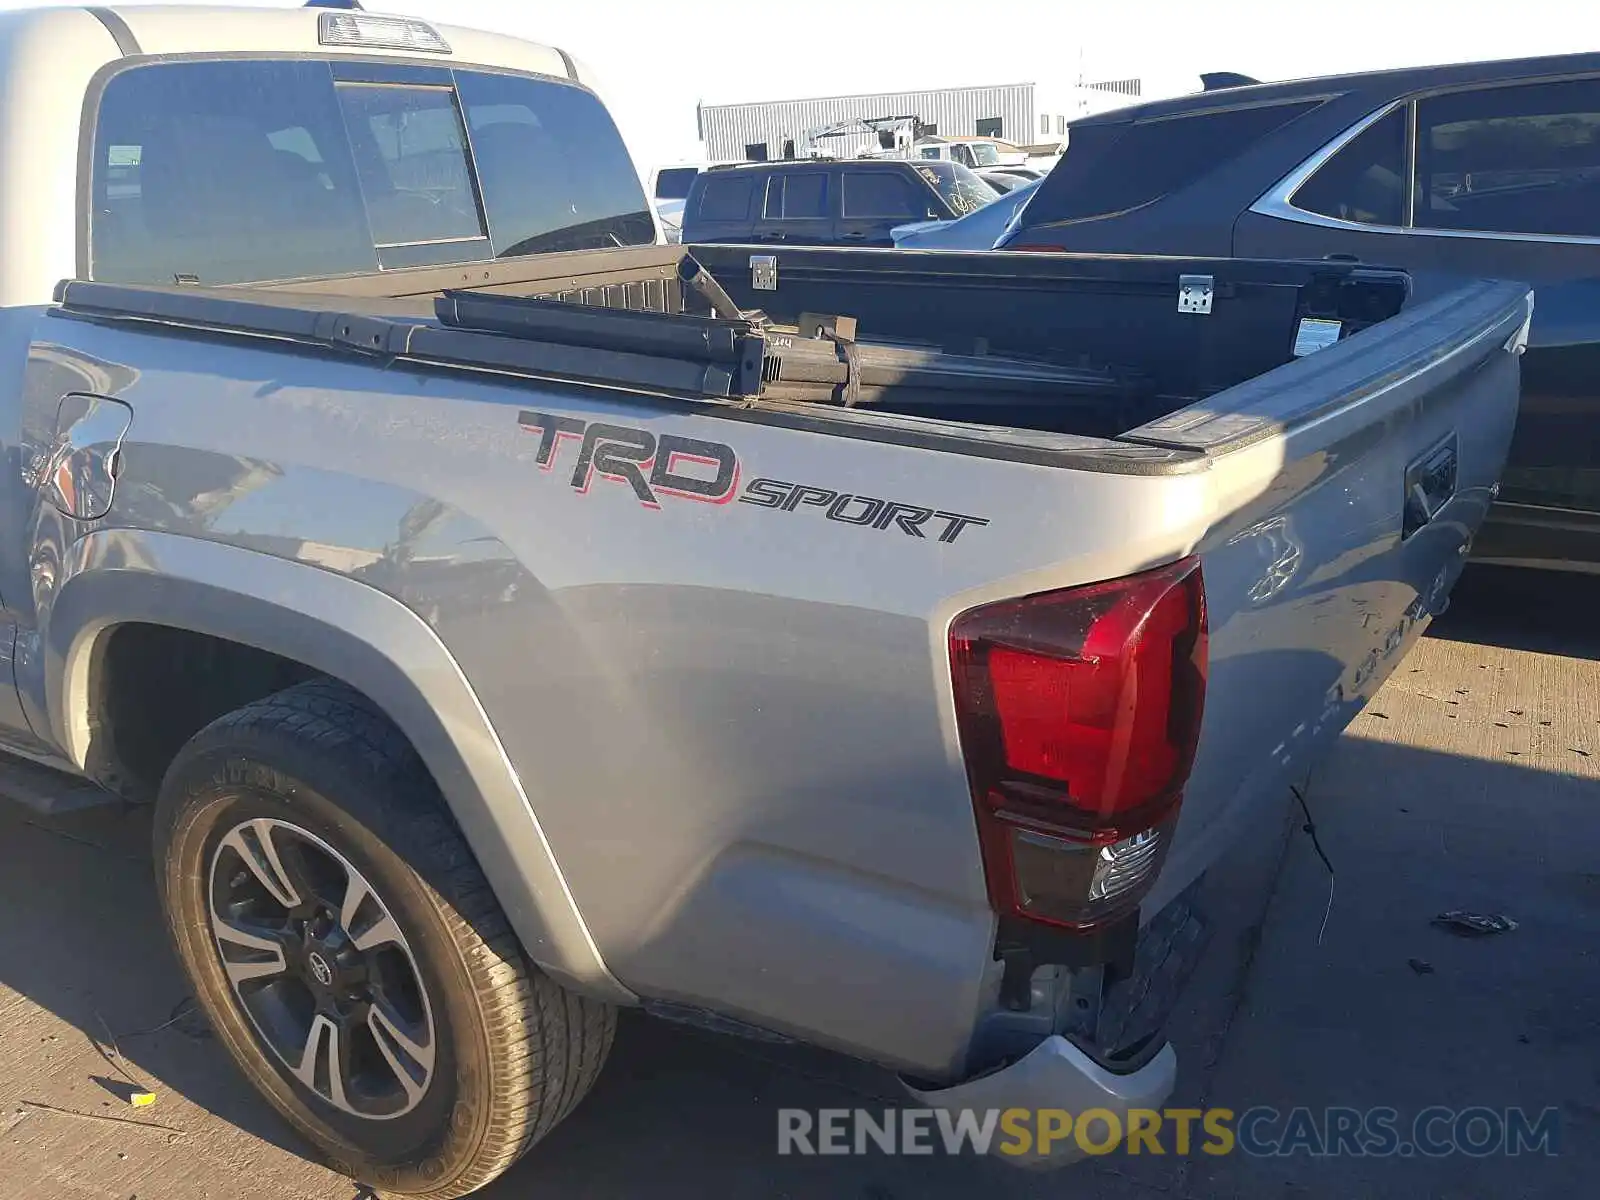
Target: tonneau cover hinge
371	335
764	272
1195	293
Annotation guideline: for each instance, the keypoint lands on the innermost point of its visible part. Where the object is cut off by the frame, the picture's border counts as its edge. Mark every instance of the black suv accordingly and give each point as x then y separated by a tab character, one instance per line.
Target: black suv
1483	169
827	202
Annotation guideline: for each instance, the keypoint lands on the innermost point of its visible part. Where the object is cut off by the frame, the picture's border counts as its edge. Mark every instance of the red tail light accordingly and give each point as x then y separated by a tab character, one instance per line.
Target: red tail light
1079	712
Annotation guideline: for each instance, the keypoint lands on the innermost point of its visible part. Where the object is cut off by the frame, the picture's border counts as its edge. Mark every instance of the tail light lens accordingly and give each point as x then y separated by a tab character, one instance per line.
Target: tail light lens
1079	711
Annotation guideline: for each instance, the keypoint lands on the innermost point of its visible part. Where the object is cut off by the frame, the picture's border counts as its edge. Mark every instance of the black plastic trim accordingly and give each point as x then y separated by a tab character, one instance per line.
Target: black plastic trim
368	71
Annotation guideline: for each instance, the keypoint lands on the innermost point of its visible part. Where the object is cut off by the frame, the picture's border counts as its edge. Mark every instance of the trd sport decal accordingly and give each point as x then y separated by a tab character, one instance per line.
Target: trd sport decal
651	466
851	509
690	469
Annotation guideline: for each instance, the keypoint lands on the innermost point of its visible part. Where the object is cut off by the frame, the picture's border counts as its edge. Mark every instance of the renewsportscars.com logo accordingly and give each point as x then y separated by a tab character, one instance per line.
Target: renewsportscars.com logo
1433	1132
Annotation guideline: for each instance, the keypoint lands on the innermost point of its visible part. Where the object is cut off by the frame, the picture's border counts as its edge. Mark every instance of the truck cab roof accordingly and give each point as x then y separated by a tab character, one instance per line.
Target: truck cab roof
122	31
57	65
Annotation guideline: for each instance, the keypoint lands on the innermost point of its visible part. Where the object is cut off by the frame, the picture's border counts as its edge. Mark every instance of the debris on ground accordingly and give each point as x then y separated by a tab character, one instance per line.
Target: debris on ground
130	1088
1469	924
126	1122
1420	965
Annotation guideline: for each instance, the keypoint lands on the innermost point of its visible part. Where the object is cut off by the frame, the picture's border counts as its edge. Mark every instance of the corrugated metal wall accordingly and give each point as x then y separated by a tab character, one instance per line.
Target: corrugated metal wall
727	129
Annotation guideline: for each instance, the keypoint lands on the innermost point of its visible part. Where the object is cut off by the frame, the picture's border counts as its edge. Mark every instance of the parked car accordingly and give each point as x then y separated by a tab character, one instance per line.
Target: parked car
1025	173
669	188
974	153
1002	181
510	623
823	202
1481	170
979	230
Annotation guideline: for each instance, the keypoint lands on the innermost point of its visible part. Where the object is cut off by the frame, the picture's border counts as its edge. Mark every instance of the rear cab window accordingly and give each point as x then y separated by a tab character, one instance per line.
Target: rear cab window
238	170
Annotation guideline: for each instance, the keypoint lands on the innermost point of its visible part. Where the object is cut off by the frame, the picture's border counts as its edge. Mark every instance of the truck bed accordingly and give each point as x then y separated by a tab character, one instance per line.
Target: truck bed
1089	349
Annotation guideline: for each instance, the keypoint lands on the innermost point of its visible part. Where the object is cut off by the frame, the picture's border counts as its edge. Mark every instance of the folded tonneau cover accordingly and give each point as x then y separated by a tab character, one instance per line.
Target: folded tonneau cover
776	361
1053	343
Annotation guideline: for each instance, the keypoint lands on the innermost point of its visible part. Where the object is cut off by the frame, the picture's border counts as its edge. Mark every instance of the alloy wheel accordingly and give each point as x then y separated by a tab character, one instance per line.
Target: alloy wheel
318	962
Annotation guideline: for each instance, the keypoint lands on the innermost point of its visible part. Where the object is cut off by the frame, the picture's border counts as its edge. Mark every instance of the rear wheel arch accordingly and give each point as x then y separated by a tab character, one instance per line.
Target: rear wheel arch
321	624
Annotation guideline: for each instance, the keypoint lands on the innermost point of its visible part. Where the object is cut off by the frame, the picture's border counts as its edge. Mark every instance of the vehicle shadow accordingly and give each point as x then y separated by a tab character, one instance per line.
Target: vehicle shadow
1547	612
84	939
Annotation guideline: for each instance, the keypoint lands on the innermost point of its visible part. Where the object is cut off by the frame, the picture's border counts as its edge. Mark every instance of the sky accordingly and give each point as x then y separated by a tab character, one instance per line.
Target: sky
657	60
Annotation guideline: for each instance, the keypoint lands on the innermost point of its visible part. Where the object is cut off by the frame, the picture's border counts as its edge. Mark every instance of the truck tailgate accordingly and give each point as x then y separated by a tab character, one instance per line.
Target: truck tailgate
1382	464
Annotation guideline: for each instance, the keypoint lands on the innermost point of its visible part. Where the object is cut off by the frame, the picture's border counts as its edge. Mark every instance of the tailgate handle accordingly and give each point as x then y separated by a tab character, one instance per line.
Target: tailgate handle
1430	483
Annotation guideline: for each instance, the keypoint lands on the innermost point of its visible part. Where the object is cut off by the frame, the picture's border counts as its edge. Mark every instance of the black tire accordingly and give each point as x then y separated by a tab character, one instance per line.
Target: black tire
510	1052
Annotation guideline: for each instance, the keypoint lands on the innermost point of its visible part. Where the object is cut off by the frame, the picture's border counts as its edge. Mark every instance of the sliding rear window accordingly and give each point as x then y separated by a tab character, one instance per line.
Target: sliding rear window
236	171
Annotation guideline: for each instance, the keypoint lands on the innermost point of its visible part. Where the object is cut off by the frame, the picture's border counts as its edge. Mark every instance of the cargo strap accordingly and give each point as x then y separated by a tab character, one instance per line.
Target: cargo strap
847	393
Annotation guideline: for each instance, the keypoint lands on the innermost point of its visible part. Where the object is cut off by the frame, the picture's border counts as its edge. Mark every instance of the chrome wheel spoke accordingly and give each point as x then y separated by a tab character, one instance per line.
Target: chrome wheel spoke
239	970
411	1061
360	901
254	843
323	1062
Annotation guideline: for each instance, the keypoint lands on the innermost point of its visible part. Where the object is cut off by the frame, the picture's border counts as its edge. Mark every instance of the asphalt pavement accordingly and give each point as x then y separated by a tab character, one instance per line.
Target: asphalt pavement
1471	783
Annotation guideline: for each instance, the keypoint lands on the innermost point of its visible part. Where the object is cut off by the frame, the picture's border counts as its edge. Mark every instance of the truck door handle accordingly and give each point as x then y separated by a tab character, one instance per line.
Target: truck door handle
1429	484
852	237
770	237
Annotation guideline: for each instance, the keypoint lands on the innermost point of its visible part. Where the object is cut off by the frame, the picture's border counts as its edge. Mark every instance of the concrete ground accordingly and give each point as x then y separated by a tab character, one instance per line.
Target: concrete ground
1473	782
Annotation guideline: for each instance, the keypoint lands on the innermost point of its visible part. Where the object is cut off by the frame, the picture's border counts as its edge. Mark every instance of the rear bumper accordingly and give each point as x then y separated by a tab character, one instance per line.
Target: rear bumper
1126	1028
1056	1074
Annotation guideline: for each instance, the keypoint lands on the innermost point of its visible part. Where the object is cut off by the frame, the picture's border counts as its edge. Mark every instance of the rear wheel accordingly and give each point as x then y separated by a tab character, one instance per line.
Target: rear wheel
350	955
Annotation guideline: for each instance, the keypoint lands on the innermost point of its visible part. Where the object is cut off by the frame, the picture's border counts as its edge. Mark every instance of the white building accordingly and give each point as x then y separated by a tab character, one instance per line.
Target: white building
1022	113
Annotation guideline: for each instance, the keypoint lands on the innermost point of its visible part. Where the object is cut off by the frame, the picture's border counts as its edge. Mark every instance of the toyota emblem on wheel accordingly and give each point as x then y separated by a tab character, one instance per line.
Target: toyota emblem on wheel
320	968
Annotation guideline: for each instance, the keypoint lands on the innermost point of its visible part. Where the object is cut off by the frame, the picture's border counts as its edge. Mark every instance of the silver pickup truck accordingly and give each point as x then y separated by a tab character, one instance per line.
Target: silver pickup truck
513	618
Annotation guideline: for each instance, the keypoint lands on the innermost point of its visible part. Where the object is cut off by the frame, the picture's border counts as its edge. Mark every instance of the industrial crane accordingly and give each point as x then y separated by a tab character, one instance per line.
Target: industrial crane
894	136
